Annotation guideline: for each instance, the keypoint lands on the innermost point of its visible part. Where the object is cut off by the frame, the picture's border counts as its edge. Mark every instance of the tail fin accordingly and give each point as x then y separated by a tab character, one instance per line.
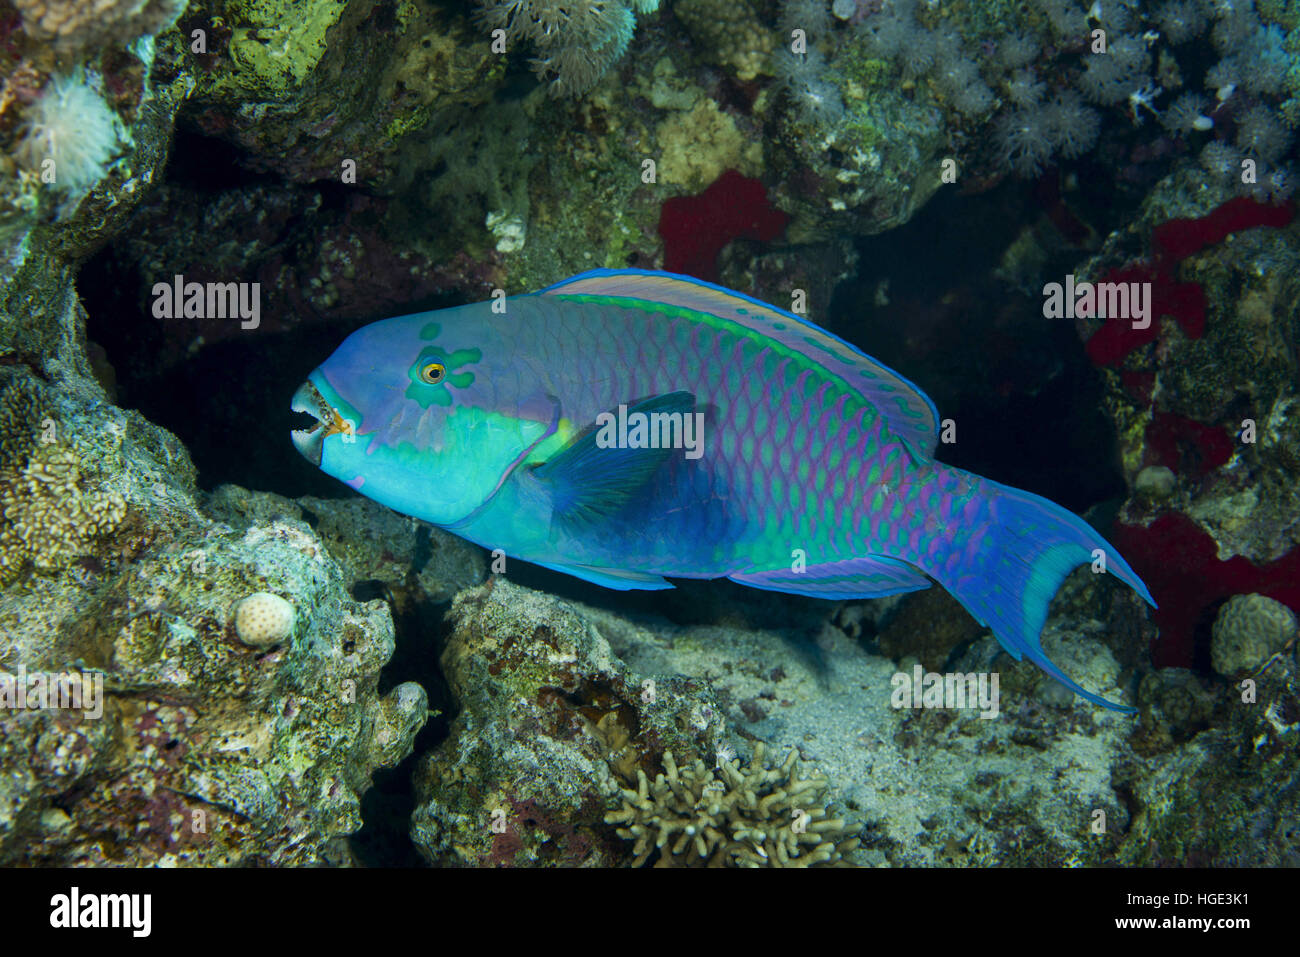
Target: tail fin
1033	545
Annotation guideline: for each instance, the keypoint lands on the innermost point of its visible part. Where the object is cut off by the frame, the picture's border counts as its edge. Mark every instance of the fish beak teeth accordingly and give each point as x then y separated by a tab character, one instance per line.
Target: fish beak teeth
309	441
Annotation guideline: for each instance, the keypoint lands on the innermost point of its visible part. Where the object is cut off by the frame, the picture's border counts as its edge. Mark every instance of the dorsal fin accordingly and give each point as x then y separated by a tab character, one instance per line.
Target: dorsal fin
908	410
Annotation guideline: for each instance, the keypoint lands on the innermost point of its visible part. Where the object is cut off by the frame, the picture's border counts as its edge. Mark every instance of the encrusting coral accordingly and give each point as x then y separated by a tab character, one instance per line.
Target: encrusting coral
78	25
48	514
753	817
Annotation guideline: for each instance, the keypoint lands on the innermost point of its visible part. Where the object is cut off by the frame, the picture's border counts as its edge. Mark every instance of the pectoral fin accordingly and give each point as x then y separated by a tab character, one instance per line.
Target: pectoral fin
589	479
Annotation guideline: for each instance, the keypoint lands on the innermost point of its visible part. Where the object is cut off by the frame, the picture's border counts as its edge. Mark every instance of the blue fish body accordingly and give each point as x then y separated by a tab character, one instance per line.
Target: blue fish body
624	426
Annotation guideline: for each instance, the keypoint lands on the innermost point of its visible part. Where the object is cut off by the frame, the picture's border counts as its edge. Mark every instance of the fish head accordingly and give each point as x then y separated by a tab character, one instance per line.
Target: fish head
427	414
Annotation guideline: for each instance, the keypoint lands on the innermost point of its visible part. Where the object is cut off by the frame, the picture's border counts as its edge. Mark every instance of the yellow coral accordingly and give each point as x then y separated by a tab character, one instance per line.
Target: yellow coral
730	33
699	145
78	25
49	518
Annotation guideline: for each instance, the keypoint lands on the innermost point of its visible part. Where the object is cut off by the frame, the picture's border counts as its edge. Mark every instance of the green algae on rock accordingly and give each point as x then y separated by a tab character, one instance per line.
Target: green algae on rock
305	86
208	751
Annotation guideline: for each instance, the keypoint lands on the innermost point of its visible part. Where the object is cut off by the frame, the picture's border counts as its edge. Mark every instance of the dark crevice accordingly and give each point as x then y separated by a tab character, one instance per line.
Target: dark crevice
929	304
422	631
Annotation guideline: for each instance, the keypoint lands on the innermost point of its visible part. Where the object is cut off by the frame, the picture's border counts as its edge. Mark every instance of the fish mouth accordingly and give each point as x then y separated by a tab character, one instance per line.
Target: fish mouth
310	441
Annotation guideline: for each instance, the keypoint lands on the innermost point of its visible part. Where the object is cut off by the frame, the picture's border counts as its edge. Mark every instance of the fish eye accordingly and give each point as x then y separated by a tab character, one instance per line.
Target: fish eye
433	373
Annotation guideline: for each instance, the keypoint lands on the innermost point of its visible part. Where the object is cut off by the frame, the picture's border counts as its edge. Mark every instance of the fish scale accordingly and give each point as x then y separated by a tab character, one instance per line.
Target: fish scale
816	475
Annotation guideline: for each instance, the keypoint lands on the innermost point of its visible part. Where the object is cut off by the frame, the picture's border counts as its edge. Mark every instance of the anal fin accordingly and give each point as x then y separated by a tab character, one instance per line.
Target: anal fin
616	578
873	576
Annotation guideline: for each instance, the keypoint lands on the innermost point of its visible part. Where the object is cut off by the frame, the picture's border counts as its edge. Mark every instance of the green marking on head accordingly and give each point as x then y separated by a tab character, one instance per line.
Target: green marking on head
436	393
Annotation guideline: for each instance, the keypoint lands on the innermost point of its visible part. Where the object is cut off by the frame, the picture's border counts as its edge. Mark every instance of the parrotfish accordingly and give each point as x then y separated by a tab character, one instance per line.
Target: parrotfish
630	426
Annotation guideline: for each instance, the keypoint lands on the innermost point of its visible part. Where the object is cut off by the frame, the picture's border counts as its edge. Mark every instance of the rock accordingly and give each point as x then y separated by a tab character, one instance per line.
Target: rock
305	87
200	749
551	726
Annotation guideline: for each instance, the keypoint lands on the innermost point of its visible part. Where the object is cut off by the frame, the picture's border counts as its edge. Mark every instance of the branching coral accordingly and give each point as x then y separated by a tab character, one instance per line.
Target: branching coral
575	42
754	817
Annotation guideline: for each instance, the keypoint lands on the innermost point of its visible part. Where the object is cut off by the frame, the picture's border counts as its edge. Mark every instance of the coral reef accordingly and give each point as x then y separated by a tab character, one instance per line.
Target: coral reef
759	816
262	656
1206	397
200	749
1227	796
306	87
53	514
549	722
207	751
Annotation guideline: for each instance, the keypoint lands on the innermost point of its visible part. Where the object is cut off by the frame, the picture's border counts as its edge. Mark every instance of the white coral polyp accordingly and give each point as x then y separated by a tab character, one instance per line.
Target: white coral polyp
69	134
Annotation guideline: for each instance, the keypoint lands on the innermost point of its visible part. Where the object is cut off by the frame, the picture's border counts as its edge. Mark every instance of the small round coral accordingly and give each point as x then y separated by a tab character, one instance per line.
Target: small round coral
263	619
1155	483
1250	629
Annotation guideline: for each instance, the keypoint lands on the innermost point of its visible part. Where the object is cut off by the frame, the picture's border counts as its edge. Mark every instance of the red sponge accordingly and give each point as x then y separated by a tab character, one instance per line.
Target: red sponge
696	228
